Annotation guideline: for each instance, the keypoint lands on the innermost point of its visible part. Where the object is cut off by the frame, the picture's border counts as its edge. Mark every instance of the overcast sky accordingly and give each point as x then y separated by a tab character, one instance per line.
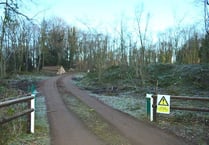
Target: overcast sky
107	14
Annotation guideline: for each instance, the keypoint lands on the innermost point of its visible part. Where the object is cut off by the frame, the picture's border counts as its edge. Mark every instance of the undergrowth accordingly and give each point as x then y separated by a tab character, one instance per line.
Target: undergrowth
15	132
181	80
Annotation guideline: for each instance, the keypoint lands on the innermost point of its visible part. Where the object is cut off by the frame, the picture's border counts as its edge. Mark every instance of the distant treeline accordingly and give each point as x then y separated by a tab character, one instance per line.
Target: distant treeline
25	46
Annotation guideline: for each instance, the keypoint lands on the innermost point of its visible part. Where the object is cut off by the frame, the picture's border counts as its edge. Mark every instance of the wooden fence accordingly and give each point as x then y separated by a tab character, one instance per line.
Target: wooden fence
29	111
203	99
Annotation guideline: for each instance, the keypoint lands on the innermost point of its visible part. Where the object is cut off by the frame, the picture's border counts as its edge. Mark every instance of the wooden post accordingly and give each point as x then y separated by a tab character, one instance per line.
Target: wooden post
154	108
29	117
155	103
32	127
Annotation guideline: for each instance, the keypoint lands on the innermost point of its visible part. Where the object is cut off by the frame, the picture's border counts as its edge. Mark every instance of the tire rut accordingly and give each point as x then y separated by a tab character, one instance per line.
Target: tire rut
65	127
136	131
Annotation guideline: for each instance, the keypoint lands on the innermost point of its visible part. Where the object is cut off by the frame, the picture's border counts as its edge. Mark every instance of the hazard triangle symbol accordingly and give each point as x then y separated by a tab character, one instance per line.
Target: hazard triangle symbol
163	102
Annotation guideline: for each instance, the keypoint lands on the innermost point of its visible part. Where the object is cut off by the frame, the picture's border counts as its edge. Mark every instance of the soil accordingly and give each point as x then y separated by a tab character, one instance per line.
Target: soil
67	129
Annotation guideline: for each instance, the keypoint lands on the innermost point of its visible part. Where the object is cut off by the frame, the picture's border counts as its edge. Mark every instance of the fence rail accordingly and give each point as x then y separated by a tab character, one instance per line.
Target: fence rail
189	98
29	111
15	101
8	119
154	105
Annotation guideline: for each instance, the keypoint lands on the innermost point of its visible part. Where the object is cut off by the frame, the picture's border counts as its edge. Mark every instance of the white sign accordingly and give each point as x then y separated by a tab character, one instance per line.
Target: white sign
163	104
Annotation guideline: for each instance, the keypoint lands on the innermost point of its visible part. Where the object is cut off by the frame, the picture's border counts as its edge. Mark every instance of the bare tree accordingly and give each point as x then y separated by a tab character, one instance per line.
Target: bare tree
10	11
123	47
73	45
206	15
43	45
142	33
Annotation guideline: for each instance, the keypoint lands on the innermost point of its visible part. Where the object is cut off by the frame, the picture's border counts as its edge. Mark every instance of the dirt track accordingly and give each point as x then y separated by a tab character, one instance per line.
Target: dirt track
67	129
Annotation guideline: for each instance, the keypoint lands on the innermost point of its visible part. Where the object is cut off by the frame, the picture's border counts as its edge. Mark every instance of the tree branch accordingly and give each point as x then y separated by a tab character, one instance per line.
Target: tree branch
14	10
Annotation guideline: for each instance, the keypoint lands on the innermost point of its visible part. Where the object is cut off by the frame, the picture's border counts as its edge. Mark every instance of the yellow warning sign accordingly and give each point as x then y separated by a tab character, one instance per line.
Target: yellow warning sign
163	104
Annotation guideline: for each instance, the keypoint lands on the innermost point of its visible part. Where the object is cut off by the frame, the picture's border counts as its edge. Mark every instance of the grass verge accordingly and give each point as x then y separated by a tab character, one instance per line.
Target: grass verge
192	126
93	120
41	135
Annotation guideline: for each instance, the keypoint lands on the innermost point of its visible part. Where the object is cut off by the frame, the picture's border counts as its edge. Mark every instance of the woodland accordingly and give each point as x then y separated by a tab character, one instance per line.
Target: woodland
176	61
27	46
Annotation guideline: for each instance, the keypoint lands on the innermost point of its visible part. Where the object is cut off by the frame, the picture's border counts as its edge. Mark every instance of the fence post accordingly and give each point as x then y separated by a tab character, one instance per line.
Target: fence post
149	106
154	105
29	117
32	114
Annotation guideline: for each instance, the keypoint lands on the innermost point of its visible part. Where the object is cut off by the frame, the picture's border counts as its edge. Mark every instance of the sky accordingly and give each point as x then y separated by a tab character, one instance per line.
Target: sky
106	15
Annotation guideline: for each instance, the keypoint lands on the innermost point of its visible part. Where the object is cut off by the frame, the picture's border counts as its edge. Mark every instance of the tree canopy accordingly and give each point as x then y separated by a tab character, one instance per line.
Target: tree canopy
25	46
